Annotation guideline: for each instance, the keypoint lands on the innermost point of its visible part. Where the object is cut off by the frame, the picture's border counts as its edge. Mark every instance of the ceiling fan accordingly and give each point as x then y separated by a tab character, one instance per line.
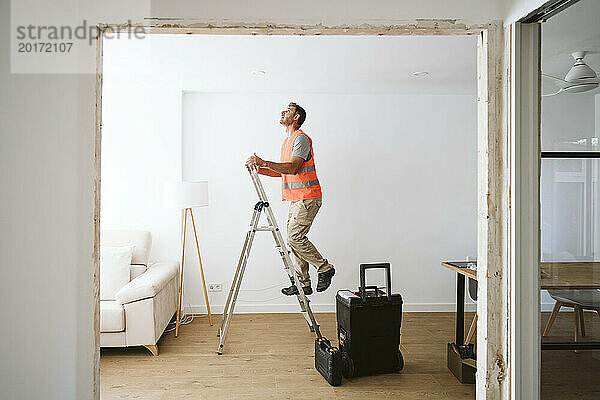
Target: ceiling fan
580	78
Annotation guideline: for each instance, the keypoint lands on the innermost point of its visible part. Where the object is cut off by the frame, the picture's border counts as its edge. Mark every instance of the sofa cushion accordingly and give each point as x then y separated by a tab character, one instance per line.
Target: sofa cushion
115	266
141	240
112	316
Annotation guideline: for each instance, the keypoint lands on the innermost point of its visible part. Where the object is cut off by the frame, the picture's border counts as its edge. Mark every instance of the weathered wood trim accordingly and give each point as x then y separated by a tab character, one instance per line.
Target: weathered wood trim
492	354
96	254
525	233
393	28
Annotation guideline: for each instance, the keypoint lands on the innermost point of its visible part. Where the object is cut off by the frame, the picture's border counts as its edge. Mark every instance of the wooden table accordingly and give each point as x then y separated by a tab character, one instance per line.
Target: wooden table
570	275
554	276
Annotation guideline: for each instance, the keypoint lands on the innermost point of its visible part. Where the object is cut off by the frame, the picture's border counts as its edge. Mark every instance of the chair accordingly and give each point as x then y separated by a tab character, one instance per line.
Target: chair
143	307
579	300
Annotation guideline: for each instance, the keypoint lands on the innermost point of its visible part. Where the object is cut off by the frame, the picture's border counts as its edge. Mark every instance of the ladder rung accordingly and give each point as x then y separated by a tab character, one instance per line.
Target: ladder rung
265	228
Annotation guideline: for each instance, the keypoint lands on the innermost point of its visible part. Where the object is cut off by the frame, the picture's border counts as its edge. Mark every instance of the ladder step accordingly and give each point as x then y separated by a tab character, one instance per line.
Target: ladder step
265	228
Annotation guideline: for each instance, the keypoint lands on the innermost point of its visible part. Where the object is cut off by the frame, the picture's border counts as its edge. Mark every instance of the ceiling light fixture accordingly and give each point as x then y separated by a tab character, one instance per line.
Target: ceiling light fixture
580	78
420	74
258	72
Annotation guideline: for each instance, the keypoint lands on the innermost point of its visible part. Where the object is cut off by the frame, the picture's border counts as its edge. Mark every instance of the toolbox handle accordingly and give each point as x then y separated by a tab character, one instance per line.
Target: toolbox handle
388	278
375	289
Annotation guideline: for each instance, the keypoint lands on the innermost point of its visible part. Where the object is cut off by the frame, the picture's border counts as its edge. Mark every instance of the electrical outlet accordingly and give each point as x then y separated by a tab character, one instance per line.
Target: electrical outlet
215	287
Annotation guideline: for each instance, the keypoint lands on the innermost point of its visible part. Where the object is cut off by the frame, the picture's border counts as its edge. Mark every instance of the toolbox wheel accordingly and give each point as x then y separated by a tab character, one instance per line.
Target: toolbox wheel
400	361
348	370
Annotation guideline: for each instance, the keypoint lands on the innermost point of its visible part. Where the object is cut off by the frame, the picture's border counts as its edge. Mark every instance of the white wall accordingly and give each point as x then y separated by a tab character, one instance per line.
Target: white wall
140	152
330	12
517	9
47	130
399	181
567	118
46	231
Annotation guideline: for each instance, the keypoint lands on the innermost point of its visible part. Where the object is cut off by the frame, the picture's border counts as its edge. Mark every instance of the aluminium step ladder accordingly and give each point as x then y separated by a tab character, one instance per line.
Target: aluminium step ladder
259	207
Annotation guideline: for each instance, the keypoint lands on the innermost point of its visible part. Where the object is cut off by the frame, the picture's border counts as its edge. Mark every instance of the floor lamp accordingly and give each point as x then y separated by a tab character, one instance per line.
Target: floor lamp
187	195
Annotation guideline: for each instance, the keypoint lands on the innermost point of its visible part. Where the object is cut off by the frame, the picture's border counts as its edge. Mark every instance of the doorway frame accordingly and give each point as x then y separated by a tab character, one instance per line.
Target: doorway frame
525	119
525	166
493	333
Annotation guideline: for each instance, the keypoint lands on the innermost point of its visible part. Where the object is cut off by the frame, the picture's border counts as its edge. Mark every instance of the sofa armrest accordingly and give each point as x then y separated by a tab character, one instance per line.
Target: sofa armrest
148	284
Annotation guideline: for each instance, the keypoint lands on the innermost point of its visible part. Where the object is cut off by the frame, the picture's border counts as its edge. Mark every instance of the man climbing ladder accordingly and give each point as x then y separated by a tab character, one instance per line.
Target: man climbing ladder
300	186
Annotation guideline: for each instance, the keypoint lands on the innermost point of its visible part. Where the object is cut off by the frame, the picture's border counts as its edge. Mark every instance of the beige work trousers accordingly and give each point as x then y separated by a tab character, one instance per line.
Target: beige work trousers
300	218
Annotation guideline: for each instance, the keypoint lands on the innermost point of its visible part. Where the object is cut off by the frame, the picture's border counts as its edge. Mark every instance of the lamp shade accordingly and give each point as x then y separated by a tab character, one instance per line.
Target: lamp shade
186	194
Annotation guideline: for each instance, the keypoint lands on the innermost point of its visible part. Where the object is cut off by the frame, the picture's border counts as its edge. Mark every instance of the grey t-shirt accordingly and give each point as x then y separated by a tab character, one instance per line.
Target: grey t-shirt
301	147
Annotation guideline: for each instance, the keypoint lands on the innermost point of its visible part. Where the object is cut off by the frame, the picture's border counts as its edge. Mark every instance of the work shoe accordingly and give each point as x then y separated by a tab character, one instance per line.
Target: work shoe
292	290
325	280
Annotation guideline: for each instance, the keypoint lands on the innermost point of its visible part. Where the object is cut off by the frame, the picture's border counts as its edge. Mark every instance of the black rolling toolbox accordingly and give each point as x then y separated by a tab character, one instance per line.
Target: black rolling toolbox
369	327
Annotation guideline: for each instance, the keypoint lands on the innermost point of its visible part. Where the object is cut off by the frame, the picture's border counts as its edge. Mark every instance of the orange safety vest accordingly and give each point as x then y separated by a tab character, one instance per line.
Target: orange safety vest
304	185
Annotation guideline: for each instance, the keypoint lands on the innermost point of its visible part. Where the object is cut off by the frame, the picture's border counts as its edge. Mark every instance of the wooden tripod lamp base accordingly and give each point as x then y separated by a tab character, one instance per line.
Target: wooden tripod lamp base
189	209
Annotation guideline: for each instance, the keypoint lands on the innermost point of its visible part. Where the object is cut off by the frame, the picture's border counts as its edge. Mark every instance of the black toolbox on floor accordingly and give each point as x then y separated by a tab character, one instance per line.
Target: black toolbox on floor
328	361
369	327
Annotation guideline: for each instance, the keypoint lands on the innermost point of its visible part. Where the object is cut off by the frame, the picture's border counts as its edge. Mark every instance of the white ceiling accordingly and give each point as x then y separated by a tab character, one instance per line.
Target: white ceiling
575	29
317	64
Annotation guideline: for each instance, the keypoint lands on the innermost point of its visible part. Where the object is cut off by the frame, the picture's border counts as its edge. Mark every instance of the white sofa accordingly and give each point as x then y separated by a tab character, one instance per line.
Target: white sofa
143	308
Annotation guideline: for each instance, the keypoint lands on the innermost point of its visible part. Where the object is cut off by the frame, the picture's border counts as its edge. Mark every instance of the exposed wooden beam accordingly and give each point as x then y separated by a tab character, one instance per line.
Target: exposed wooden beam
492	244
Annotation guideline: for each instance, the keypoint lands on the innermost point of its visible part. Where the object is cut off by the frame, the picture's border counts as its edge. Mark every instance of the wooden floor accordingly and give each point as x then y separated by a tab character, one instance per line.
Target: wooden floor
271	356
565	374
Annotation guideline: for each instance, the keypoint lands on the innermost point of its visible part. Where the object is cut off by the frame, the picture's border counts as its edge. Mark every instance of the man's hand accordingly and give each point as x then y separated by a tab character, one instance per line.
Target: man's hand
271	168
255	161
260	165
